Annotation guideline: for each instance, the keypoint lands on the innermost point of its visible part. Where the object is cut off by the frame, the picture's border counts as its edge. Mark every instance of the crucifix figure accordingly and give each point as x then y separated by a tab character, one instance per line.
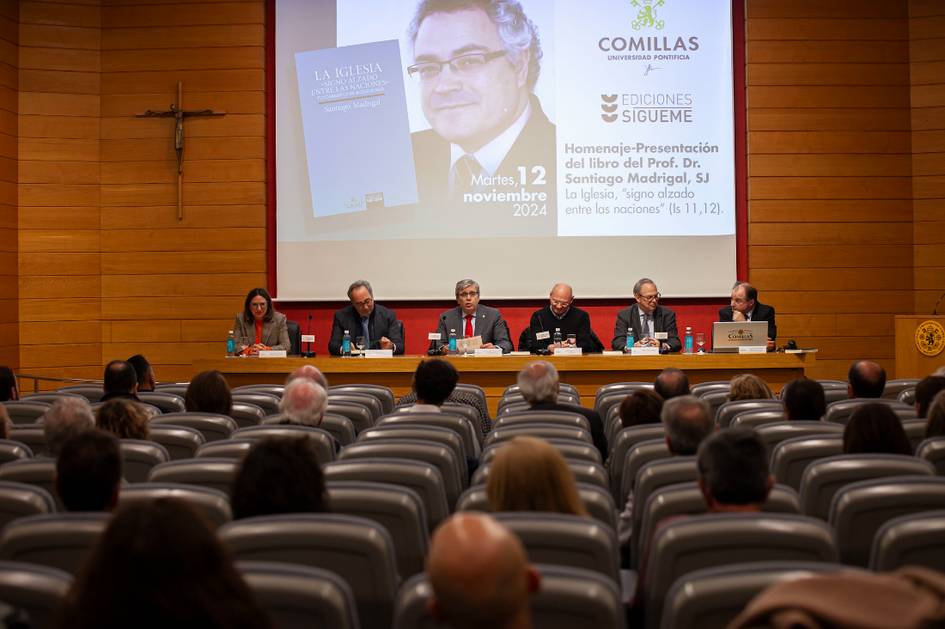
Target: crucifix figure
179	114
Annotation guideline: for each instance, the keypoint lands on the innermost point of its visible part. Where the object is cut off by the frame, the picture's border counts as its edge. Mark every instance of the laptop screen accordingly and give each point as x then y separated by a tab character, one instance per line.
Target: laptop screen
730	335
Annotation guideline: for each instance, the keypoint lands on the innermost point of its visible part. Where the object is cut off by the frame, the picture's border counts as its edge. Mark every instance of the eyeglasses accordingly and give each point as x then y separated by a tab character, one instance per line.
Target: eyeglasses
558	302
468	295
258	306
464	65
655	297
364	302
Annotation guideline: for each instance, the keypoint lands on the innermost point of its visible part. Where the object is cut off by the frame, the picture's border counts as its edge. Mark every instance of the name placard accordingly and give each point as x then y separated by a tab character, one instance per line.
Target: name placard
568	351
661	336
434	336
542	336
378	353
752	349
644	351
308	338
488	351
272	353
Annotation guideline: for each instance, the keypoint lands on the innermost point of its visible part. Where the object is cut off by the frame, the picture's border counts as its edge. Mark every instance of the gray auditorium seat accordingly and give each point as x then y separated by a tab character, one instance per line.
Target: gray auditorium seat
638	456
26	411
916	539
577	451
728	410
232	448
620	387
652	477
212	503
22	499
368	401
517	399
50	397
178	388
753	419
384	395
443	436
268	402
57	540
34	589
621	444
791	457
545	431
597	501
839	412
459	424
713	386
933	451
39	472
165	400
894	387
138	457
340	427
774	433
584	472
91	392
247	414
31	435
907	396
564	418
181	442
359	414
272	389
207	472
13	451
915	431
324	442
513	407
604	404
210	425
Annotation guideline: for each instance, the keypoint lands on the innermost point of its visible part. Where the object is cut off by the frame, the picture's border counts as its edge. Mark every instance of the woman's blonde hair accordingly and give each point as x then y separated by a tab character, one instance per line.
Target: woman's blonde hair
529	474
748	386
123	418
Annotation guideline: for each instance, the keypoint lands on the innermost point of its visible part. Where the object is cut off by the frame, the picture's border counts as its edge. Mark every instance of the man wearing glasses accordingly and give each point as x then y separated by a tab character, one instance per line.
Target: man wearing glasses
560	314
470	319
653	325
377	324
746	307
477	62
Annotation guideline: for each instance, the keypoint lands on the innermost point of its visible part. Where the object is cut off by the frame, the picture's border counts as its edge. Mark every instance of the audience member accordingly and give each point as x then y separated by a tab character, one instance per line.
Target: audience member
279	475
643	406
303	402
67	417
88	472
146	380
5	423
671	383
159	564
311	372
733	471
208	392
748	386
458	396
875	428
935	427
804	399
867	379
925	391
433	382
480	575
120	381
8	386
538	382
123	418
529	474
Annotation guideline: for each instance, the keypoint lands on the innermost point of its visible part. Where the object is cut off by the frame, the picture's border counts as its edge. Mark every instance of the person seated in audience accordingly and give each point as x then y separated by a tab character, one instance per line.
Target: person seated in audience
866	379
935	426
433	381
259	326
748	386
123	418
925	391
733	471
120	381
88	472
303	403
8	386
159	564
804	399
146	380
875	428
538	382
208	392
671	382
529	474
67	417
279	475
643	406
458	396
480	575
311	372
5	423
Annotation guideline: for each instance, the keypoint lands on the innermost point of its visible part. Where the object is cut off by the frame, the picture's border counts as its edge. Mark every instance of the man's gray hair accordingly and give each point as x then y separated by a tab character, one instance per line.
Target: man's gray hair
538	382
461	284
639	285
358	284
66	418
303	402
518	34
687	421
751	293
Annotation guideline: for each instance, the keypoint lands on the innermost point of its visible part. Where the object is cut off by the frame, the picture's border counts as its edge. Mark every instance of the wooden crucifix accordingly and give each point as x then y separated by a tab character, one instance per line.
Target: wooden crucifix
179	114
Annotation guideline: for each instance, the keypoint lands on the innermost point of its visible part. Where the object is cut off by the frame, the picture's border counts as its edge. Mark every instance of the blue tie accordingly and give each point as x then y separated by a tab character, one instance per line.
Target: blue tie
365	333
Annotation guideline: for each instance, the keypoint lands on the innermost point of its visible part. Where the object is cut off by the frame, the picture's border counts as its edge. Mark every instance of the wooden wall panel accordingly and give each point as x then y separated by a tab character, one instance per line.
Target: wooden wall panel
9	241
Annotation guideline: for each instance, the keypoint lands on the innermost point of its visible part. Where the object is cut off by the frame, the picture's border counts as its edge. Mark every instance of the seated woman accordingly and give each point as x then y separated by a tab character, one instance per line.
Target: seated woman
123	418
643	406
874	428
935	427
208	392
748	386
259	326
159	564
529	474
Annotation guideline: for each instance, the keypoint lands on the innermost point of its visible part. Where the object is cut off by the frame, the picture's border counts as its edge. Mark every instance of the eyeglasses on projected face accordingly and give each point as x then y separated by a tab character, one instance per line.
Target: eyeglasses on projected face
464	65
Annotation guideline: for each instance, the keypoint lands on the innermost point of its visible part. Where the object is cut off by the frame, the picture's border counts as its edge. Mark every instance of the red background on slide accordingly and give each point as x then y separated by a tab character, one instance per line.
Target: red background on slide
421	317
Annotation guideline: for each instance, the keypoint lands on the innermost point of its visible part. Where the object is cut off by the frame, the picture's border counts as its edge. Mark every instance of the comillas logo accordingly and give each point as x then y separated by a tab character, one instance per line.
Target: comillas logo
647	15
740	334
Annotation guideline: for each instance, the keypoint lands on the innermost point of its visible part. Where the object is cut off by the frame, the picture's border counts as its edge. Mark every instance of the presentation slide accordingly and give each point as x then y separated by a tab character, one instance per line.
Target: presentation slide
520	143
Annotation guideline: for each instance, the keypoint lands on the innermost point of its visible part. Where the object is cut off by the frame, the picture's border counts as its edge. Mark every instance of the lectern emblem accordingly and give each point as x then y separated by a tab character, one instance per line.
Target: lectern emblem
930	338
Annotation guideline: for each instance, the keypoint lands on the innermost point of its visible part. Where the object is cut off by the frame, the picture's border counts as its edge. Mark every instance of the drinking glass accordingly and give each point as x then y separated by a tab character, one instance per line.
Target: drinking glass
700	342
572	340
359	343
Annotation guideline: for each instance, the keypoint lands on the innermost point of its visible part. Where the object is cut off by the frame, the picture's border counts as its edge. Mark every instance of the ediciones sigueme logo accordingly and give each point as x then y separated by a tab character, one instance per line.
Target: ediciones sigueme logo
647	16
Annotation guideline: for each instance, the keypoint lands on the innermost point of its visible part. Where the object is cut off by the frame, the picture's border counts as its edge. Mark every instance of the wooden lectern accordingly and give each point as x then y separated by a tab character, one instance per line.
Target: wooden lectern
920	345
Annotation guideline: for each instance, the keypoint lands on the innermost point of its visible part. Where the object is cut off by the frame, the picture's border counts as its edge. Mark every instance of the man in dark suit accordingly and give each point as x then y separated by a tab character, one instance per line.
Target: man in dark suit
377	324
560	314
538	382
470	319
649	321
746	307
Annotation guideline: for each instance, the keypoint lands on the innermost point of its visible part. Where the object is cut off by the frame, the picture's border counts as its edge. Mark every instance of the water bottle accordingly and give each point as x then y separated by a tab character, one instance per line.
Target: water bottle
452	345
346	344
230	344
630	339
687	342
557	337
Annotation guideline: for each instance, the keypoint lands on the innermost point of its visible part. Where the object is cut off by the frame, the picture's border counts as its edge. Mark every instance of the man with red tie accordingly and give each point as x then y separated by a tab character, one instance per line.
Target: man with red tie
470	319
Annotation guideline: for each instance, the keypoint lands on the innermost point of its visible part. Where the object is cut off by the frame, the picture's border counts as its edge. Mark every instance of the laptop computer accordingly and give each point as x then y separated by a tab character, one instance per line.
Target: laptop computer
728	336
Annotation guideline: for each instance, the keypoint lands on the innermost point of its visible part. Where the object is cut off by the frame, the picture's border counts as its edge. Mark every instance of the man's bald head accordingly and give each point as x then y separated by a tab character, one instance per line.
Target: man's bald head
538	382
479	573
867	379
311	372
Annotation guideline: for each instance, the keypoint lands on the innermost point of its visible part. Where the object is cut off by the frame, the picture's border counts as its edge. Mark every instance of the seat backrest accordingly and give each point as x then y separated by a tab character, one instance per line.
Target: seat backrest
915	431
654	476
933	451
34	589
272	389
910	540
165	400
21	499
604	404
597	501
859	509
714	398
839	412
181	442
369	401
207	472
750	419
791	457
465	429
473	389
180	388
569	449
358	550
232	448
623	442
713	386
31	435
907	396
563	418
436	434
247	414
26	411
564	397
398	509
57	540
384	395
420	476
300	596
340	427
513	407
774	433
824	477
638	456
13	451
719	539
728	410
545	431
359	414
584	472
623	387
894	387
295	338
212	503
212	426
322	439
39	472
138	457
266	401
469	412
91	392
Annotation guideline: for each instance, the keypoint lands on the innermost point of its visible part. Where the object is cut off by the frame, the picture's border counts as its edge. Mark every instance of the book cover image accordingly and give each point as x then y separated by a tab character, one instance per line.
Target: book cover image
357	137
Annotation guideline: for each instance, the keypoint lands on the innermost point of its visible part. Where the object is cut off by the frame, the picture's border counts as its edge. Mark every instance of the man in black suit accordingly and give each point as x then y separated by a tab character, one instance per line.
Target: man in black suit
471	319
746	307
538	382
653	325
377	324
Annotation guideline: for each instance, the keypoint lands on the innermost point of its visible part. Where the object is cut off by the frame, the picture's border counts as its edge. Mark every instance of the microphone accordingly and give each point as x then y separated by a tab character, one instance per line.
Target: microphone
937	304
434	348
308	332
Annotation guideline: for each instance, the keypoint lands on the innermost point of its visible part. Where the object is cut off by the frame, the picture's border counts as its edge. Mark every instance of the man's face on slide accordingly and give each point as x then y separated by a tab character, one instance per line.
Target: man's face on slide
469	109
